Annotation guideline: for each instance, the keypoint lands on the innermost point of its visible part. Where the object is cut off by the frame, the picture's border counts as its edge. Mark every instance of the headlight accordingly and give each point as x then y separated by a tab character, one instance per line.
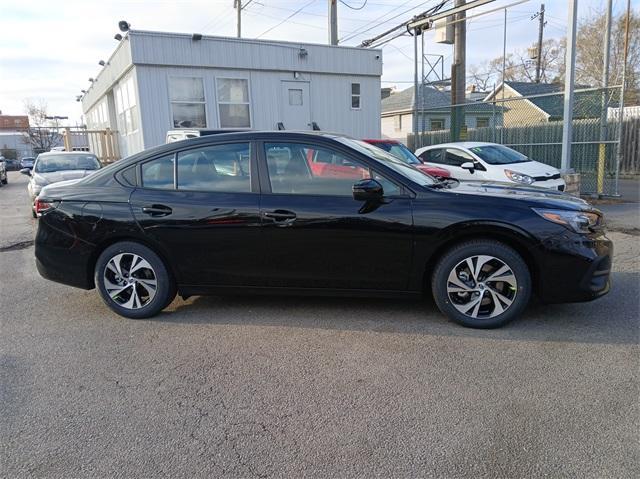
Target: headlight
519	177
578	221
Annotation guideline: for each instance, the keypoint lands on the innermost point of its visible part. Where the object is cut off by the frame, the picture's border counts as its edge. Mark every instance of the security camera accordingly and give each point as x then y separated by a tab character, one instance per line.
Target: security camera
118	36
101	63
91	80
123	25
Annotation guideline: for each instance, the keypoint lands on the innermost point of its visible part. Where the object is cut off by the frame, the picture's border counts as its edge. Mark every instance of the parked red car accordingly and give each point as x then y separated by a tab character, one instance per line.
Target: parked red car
403	153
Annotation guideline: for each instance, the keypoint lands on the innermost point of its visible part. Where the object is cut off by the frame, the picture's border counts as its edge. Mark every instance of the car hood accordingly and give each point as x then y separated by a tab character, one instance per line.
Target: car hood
57	176
543	197
531	168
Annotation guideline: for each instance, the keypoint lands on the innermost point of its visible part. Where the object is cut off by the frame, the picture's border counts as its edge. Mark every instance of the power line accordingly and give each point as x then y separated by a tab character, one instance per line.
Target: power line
353	8
290	16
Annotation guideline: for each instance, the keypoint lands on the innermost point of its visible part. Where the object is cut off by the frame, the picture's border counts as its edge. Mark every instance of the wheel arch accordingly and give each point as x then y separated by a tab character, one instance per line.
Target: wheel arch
519	240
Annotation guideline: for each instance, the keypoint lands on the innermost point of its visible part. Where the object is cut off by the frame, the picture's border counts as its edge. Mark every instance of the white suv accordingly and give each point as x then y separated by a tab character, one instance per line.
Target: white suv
469	160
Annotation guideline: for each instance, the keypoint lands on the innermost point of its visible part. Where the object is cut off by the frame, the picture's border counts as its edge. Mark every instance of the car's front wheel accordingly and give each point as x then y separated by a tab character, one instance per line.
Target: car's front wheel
481	284
133	281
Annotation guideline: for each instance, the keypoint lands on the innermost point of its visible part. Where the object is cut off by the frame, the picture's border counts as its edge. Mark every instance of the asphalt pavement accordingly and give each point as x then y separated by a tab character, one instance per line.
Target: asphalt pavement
309	387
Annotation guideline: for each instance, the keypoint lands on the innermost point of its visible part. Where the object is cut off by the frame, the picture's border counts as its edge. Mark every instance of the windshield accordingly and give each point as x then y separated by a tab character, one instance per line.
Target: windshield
399	151
51	163
390	161
498	154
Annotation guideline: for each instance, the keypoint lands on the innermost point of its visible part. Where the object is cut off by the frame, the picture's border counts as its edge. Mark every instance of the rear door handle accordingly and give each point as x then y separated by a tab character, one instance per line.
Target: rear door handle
280	216
157	210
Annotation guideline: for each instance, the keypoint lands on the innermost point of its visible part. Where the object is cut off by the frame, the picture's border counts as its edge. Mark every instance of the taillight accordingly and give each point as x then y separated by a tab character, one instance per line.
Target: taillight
44	205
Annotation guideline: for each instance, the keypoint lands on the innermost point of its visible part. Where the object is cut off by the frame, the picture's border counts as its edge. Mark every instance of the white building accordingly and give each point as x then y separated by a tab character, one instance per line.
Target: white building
156	82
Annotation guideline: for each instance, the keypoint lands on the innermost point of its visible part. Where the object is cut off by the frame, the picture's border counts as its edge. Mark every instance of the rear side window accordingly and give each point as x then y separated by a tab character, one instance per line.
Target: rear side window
431	156
217	168
158	174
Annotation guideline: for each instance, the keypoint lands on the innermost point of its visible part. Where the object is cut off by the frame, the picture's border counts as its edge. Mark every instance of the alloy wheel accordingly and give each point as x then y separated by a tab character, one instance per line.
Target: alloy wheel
130	280
482	286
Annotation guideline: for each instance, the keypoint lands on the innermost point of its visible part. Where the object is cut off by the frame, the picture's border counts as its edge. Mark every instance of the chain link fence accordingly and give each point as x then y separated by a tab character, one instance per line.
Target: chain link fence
533	125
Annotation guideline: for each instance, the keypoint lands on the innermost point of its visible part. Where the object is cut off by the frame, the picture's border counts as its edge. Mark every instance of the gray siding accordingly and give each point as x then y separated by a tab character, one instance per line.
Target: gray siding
118	64
154	48
330	99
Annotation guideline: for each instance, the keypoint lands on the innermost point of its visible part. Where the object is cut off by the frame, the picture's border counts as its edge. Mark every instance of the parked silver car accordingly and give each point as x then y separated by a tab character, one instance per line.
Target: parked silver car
56	166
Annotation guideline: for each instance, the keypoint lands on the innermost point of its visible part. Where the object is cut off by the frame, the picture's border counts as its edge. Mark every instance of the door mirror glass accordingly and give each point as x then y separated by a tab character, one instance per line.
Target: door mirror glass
468	165
367	190
26	171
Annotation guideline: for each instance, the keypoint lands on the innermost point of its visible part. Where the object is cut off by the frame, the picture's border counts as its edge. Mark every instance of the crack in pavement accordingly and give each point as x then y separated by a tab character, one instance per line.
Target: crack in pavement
17	246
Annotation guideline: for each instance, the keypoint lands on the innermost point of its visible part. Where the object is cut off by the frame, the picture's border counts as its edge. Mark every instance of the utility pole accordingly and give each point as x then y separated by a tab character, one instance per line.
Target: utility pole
458	72
333	22
625	55
540	30
569	80
238	5
602	149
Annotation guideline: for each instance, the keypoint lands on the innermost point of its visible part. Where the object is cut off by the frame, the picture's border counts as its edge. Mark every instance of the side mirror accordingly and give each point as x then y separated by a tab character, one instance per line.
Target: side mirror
367	190
26	171
468	165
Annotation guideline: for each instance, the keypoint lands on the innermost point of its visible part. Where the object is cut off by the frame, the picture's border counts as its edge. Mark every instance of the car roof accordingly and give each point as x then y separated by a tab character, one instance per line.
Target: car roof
382	140
461	144
66	153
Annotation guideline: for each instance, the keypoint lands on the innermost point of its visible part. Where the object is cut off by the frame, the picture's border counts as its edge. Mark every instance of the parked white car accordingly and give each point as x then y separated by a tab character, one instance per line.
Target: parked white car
469	160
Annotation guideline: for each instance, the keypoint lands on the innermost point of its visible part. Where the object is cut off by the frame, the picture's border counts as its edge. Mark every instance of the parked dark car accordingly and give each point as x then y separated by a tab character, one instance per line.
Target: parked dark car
244	212
400	151
12	165
27	162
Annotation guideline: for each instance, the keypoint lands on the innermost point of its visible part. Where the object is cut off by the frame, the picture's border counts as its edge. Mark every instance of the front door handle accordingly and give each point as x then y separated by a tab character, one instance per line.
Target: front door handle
280	216
157	210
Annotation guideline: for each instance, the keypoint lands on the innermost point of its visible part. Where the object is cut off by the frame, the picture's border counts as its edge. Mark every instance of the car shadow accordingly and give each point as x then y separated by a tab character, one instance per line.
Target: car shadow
612	319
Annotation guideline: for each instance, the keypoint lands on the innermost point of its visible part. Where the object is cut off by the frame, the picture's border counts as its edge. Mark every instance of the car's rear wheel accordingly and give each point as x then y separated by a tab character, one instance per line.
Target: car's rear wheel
481	284
133	281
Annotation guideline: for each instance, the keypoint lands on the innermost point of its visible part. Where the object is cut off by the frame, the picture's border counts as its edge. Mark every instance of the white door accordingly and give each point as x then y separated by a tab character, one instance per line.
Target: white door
296	111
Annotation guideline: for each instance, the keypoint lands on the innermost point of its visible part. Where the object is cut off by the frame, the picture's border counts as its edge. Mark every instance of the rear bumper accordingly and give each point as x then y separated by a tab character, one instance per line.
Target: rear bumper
62	258
575	268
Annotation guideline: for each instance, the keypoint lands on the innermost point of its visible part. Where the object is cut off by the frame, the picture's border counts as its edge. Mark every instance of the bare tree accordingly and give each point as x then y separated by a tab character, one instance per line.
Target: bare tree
40	135
589	55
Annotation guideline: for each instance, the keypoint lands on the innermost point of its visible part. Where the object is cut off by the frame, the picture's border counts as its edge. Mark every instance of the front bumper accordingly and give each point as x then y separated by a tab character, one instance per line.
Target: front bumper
558	184
574	268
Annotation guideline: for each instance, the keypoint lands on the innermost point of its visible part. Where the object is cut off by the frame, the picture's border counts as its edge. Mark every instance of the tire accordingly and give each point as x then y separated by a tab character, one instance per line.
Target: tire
467	293
131	293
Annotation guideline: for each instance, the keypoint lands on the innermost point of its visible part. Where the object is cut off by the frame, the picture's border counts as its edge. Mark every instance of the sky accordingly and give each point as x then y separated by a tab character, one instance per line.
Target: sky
49	49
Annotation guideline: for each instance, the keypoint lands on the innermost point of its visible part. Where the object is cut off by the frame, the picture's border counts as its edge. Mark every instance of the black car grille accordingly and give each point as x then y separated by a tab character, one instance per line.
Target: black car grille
547	178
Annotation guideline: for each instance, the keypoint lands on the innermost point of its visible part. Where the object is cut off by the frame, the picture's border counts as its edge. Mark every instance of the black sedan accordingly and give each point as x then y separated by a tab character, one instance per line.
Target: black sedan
296	213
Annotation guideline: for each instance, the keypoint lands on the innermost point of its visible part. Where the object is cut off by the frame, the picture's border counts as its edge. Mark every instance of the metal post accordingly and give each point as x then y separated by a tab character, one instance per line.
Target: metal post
540	30
415	88
333	22
622	90
504	67
570	62
238	5
458	72
602	148
421	93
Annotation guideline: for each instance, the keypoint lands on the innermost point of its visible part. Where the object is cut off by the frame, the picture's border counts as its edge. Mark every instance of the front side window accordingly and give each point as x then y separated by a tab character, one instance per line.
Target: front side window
158	173
355	96
297	168
188	106
455	157
216	168
233	102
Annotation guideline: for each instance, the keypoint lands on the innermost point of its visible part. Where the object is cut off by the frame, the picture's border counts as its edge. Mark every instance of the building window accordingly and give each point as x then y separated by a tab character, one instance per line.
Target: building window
482	122
233	102
187	102
355	96
436	124
397	122
126	108
295	97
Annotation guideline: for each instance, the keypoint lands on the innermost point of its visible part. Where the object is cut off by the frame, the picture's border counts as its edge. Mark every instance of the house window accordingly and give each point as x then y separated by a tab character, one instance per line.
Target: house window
295	97
187	102
482	122
436	124
126	108
233	102
397	122
355	96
